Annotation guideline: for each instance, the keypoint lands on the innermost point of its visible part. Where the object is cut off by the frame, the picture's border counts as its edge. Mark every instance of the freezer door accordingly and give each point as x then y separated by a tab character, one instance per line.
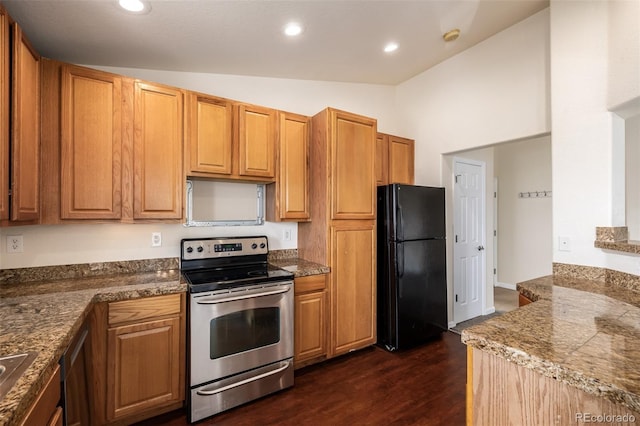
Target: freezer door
421	291
419	212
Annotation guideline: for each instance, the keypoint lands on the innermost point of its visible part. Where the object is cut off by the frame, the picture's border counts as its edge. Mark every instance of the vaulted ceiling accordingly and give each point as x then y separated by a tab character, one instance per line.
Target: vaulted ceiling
342	40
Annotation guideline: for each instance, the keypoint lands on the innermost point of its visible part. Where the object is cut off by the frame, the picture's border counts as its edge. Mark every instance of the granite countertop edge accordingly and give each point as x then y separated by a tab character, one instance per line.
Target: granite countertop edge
541	292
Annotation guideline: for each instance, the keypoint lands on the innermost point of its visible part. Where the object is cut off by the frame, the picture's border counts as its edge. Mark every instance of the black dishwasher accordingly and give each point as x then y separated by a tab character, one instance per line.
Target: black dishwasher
75	398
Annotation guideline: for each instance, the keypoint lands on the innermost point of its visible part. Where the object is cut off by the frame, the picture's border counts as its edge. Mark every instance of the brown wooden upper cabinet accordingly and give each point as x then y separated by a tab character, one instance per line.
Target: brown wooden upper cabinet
5	80
256	141
352	166
91	144
288	198
210	134
229	140
395	160
20	188
382	159
157	151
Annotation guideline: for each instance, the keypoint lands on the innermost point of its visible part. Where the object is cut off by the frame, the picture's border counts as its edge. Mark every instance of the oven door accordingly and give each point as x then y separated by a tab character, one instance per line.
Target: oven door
235	331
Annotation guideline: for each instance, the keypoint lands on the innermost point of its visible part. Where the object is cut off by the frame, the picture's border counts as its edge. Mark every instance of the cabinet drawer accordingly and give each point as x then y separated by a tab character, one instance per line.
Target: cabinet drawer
142	309
44	409
310	283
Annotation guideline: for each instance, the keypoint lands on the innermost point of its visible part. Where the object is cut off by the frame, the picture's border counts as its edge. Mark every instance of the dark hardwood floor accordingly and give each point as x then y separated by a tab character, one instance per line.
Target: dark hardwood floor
421	386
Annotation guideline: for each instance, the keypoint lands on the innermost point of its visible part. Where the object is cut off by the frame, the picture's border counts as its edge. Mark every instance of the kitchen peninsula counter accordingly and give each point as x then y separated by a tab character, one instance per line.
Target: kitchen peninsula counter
43	316
582	334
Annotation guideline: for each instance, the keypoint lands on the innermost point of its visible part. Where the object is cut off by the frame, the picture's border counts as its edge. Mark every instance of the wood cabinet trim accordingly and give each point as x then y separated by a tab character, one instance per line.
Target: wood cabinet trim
4	113
25	130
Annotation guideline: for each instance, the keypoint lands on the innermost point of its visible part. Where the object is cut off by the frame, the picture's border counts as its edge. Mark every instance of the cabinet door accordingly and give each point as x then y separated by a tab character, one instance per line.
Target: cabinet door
353	184
210	134
401	160
4	114
310	342
25	130
91	144
256	141
353	286
382	159
45	408
293	180
143	365
157	157
310	325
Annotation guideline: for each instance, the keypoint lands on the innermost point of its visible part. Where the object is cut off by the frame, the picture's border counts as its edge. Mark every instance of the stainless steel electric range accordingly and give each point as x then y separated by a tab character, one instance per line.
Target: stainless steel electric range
240	340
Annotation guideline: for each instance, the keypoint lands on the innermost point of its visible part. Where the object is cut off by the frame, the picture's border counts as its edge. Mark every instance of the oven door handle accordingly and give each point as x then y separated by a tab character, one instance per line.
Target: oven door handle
243	382
241	297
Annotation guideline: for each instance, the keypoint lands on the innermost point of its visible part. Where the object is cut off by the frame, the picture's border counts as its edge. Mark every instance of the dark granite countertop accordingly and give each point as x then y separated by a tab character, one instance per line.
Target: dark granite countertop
41	309
300	267
583	333
43	316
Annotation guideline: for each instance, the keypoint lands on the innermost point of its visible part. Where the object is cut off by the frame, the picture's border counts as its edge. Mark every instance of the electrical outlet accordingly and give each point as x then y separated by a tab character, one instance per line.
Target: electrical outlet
286	235
14	244
156	239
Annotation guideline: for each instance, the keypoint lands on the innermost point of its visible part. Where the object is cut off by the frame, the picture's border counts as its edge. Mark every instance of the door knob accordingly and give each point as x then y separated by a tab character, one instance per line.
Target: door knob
480	248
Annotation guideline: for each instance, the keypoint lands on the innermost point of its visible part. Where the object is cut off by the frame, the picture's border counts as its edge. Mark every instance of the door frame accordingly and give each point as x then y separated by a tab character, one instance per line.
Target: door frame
483	230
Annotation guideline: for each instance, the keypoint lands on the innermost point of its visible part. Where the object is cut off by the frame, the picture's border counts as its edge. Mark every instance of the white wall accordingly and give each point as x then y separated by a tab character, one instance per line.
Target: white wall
624	51
69	244
300	96
524	224
494	92
582	71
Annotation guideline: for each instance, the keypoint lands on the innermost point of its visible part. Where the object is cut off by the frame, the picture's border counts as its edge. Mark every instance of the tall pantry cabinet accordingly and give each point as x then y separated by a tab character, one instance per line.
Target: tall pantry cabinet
341	233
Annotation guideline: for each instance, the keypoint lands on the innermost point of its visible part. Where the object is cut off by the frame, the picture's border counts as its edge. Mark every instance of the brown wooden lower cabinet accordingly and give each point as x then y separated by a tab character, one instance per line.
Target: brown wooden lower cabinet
310	341
500	392
46	411
523	300
138	349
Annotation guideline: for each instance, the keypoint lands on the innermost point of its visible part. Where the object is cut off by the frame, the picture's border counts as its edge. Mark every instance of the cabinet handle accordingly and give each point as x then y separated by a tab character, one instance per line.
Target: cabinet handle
243	382
213	301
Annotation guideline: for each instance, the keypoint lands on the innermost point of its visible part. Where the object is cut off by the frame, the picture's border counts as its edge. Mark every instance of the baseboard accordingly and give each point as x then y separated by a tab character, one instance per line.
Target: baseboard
505	285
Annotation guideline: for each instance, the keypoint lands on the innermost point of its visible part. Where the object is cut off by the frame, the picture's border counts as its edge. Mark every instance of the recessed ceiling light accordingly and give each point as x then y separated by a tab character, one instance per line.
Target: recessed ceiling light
390	47
134	6
292	29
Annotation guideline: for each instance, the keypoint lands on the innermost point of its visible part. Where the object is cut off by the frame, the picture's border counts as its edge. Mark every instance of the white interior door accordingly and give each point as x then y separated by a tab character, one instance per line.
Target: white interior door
469	239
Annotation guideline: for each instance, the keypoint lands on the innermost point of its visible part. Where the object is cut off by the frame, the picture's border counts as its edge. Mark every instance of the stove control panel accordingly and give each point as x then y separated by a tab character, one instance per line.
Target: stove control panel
211	248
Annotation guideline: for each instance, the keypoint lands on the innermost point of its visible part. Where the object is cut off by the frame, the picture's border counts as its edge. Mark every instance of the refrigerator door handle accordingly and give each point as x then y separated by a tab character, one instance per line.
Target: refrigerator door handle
400	236
400	257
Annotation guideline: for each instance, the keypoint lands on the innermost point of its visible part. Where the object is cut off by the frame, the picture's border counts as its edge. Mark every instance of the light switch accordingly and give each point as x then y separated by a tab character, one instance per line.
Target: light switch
564	244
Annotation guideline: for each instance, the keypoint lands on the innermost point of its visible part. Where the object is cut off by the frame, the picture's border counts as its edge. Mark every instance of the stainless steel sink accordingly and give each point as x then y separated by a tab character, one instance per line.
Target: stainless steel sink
11	369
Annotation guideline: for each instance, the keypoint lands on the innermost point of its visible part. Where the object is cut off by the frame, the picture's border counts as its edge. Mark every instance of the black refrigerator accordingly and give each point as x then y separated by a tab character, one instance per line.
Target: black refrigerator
412	281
